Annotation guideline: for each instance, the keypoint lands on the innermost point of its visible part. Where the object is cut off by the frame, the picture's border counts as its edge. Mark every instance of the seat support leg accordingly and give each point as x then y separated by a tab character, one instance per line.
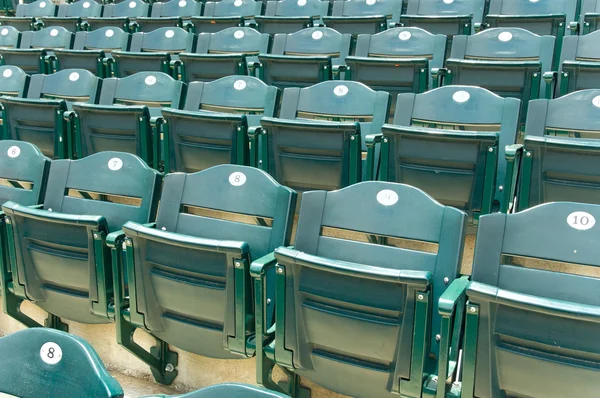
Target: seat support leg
54	322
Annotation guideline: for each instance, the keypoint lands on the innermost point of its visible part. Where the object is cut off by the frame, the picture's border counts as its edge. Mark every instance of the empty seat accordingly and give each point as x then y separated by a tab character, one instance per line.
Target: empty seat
206	236
153	51
172	13
304	58
125	117
522	318
13	81
590	16
9	37
351	278
316	141
120	15
232	51
213	126
71	15
289	16
59	251
40	118
450	142
38	361
92	51
34	47
26	14
363	17
506	61
561	154
225	14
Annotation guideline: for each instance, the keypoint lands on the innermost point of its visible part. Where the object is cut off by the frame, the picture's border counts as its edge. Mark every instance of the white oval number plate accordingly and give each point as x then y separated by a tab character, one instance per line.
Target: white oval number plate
14	151
387	197
581	220
51	353
115	164
237	179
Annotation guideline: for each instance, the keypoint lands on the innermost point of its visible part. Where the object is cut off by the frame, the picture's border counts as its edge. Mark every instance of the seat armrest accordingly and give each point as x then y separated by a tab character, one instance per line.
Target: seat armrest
450	297
513	154
255	154
574	27
371	141
550	78
437	74
49	216
260	267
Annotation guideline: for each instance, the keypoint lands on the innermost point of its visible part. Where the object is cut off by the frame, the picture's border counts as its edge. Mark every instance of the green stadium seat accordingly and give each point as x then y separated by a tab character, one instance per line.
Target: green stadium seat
120	15
353	302
539	17
363	17
559	157
232	51
59	251
590	16
13	81
316	141
127	117
530	331
92	51
173	13
213	126
506	61
40	117
204	220
152	51
289	16
71	15
38	362
225	14
304	58
450	142
34	47
26	14
233	390
9	37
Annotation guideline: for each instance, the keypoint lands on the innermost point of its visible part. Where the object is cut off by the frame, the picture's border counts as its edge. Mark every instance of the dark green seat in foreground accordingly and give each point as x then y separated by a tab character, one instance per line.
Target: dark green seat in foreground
26	14
120	15
205	238
523	320
357	305
590	16
58	252
560	158
317	141
92	51
225	14
451	143
213	126
49	363
34	47
506	61
125	118
304	58
289	16
363	17
173	13
153	51
232	51
71	15
40	118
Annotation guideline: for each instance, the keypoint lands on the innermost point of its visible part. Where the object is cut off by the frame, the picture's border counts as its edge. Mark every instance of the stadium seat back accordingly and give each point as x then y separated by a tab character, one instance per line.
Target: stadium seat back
579	64
128	8
23	172
539	17
39	8
9	37
589	16
449	18
289	16
170	14
14	82
225	14
360	17
70	15
232	390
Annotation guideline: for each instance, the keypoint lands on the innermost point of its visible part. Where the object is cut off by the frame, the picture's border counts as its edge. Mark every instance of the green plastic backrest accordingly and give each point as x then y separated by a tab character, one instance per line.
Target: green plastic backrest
176	8
22	162
70	84
291	8
9	37
589	7
107	173
441	8
150	88
359	8
534	8
80	8
233	390
39	8
307	42
225	188
51	37
168	39
233	8
107	38
396	42
249	41
41	362
13	81
582	48
127	8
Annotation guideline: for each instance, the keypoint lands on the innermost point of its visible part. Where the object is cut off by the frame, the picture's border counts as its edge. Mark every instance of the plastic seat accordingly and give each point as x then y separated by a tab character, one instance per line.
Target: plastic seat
10	37
350	278
363	17
34	47
232	51
213	127
304	58
233	390
92	51
506	61
13	81
193	251
561	154
71	15
173	13
539	17
38	361
450	142
316	141
590	16
39	118
120	15
153	51
289	16
521	319
225	14
125	118
26	14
